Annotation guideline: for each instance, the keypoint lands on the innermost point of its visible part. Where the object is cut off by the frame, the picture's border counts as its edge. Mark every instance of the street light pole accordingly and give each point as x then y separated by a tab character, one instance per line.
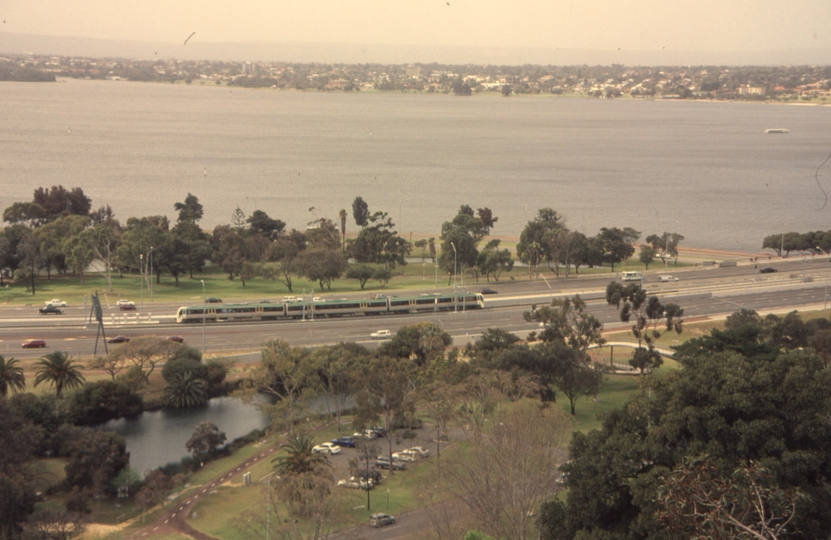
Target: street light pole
141	281
151	274
203	315
455	269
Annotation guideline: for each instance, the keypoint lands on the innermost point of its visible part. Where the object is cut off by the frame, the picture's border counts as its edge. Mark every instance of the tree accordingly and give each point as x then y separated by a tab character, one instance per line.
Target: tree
460	239
647	255
665	245
617	244
378	242
155	487
96	458
566	321
461	88
25	213
104	241
342	215
261	223
286	373
534	246
361	272
493	261
335	367
205	439
190	210
382	276
421	341
648	311
321	265
20	440
505	478
145	352
55	524
100	401
186	389
31	258
60	202
360	211
58	369
11	376
506	90
238	220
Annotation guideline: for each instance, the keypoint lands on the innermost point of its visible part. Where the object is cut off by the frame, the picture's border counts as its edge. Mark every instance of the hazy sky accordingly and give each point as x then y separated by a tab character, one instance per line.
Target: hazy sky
701	25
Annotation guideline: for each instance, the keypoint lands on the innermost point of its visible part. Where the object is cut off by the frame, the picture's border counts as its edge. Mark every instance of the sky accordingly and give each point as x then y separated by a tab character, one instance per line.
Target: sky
643	25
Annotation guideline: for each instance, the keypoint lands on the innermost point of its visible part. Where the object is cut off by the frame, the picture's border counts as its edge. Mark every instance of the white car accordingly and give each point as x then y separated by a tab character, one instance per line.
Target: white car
55	302
420	450
381	334
355	483
366	434
123	302
405	455
331	448
665	279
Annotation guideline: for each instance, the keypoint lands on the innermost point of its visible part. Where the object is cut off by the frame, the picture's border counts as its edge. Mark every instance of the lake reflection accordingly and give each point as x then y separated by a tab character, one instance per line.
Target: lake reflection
158	437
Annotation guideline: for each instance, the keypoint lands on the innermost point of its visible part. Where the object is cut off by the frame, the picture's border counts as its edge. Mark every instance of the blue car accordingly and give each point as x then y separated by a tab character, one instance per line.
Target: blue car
346	442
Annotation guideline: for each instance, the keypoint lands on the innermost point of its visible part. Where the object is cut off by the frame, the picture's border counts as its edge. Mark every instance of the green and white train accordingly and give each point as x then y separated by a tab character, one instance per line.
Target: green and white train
274	311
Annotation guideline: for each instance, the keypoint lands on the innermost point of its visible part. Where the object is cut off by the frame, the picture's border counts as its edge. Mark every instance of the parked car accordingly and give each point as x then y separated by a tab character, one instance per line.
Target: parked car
122	301
327	447
49	308
404	455
119	339
421	451
381	334
34	344
212	300
127	307
356	483
487	291
55	302
177	339
371	474
345	442
407	423
767	270
366	434
381	432
665	279
379	520
384	462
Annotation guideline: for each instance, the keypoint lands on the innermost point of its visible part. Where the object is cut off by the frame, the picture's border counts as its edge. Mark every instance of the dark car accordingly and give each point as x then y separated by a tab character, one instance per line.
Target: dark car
177	339
487	291
379	520
46	310
34	344
370	474
767	270
346	442
127	307
213	300
119	339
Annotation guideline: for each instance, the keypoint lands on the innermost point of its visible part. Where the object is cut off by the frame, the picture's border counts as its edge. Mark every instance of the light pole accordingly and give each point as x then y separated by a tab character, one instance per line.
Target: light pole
151	274
141	281
455	268
203	315
825	306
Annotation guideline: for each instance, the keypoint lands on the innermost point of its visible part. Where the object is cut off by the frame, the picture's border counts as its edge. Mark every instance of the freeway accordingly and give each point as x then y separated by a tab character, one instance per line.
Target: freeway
702	292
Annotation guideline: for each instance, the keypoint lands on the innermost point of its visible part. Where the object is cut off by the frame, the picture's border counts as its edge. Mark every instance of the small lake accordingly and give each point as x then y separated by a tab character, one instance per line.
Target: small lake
156	438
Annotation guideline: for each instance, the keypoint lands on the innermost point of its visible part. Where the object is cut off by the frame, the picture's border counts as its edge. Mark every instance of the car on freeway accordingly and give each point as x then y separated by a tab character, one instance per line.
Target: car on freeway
345	442
122	301
212	300
327	447
486	290
49	308
356	483
421	451
405	455
177	339
381	334
383	462
127	307
665	279
119	339
767	270
55	302
379	520
34	344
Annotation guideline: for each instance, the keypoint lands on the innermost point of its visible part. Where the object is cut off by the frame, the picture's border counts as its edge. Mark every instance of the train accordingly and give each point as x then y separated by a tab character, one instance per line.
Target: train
299	309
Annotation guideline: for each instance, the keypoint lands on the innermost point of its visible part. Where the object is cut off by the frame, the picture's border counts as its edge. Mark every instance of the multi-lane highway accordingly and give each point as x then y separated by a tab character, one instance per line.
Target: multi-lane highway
701	291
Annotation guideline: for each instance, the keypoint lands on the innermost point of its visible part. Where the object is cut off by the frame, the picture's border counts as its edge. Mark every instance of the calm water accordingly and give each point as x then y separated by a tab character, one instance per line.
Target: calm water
705	170
158	437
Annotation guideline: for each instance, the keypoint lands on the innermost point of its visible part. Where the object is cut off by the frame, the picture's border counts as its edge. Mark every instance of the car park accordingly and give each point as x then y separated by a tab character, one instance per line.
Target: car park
177	339
381	334
119	339
56	302
49	308
127	307
356	483
487	291
421	451
665	279
212	300
379	520
34	344
345	442
767	270
327	447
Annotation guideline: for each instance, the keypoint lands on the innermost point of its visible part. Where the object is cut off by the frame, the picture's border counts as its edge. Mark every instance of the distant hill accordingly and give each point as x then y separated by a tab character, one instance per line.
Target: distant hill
350	53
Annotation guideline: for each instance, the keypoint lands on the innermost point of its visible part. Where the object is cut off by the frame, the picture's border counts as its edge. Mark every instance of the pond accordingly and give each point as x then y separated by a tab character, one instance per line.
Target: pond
156	438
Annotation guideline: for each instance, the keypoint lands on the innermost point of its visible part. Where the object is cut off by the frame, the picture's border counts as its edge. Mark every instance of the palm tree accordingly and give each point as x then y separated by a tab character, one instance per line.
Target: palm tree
11	376
300	458
186	390
59	369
